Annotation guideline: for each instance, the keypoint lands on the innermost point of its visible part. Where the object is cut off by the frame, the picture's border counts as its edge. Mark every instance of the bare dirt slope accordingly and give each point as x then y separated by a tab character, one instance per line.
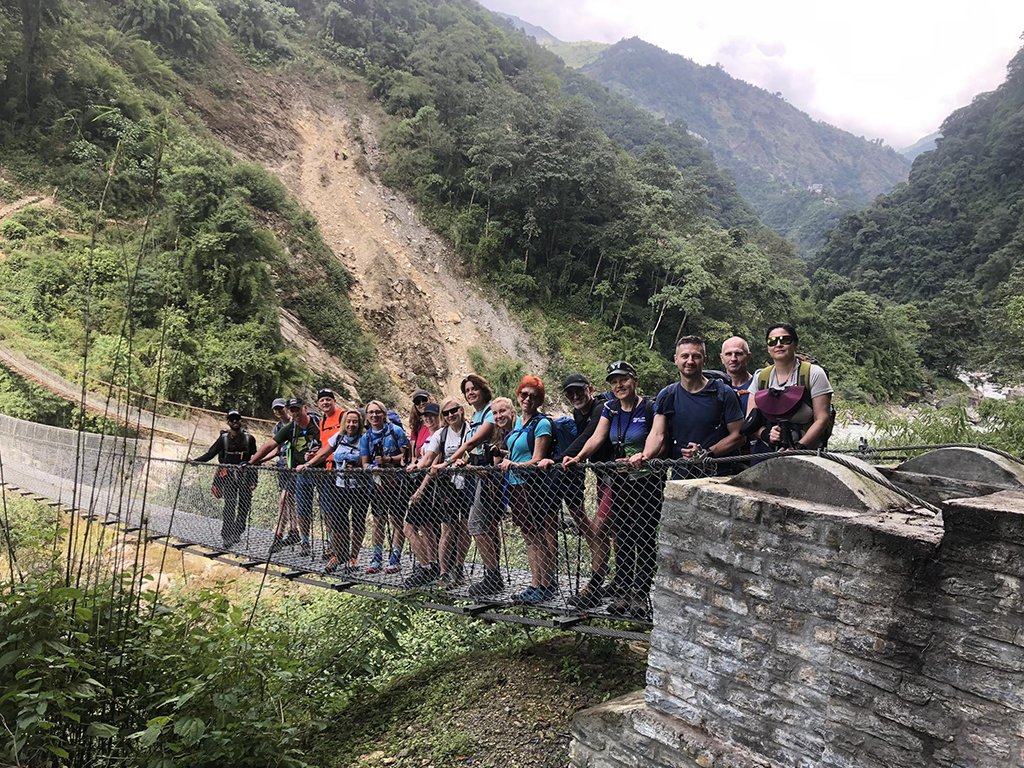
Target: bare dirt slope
423	315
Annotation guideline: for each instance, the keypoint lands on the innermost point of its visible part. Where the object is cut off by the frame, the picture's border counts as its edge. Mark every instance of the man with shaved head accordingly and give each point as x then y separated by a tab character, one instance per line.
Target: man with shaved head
735	356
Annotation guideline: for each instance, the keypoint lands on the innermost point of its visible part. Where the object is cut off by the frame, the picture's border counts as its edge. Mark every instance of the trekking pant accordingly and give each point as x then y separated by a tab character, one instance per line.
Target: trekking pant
236	489
345	517
636	512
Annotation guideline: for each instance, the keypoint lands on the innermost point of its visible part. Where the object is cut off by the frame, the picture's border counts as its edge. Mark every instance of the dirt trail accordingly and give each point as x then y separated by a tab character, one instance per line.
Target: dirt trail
423	315
407	290
42	201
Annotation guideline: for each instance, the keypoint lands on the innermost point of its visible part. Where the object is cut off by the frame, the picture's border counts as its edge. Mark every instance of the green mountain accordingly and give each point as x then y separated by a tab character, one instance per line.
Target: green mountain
924	144
952	237
575	54
608	230
799	173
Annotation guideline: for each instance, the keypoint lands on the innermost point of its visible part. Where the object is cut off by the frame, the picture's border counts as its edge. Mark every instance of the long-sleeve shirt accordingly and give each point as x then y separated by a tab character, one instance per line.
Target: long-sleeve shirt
231	449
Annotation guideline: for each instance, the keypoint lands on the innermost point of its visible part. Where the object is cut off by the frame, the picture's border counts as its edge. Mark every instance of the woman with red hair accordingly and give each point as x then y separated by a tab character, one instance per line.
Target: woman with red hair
530	507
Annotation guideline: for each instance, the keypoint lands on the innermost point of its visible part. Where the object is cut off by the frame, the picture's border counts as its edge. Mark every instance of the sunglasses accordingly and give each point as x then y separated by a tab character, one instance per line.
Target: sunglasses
375	413
529	395
451	411
419	400
785	341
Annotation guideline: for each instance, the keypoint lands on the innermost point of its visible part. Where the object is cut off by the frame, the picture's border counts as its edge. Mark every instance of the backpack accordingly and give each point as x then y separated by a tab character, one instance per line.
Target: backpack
530	428
565	433
395	419
803	379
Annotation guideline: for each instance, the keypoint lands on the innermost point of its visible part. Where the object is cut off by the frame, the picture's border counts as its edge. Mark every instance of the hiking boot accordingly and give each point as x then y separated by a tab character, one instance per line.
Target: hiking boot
533	595
613	589
422	575
639	606
291	539
394	563
277	545
589	597
620	606
491	584
351	566
451	580
376	565
332	565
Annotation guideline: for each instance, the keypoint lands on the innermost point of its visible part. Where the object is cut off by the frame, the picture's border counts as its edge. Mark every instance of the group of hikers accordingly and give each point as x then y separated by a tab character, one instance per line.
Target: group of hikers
429	485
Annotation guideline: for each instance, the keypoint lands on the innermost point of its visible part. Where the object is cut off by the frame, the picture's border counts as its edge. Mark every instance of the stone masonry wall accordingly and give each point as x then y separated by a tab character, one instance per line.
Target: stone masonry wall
793	634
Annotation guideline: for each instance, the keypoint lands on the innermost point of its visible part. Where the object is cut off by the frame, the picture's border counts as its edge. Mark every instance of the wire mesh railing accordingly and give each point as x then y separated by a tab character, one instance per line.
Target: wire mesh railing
576	541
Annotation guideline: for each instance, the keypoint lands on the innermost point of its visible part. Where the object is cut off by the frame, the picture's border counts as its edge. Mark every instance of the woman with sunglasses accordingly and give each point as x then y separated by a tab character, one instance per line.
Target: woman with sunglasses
483	511
793	396
419	430
440	506
529	505
383	447
346	520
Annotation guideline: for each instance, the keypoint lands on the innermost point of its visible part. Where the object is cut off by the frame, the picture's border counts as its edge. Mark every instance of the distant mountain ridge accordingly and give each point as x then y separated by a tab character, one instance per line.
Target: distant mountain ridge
922	145
575	54
799	173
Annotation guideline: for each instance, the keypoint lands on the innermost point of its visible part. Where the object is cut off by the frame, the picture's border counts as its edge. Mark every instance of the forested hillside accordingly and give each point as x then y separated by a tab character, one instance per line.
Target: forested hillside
800	174
609	230
952	238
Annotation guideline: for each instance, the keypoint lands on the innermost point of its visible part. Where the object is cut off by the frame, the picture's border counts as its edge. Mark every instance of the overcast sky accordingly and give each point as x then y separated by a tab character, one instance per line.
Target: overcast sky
890	70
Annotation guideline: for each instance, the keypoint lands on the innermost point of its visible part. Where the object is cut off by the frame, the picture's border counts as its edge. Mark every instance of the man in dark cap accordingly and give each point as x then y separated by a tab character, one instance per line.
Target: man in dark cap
301	437
586	412
234	484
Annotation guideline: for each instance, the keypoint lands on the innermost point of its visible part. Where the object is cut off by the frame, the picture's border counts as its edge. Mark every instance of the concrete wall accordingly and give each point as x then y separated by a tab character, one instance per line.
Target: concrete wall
797	634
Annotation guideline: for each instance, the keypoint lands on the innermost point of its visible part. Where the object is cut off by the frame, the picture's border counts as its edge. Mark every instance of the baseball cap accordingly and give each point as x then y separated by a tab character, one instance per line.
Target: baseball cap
279	402
433	408
326	393
575	380
296	402
233	414
420	393
619	368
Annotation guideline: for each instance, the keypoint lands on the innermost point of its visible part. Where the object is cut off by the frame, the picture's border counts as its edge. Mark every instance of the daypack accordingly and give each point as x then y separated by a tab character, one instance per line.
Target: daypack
395	419
803	379
530	428
565	434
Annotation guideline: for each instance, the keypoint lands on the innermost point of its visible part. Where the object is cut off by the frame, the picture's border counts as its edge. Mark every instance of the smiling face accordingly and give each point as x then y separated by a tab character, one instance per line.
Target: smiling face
327	404
623	386
504	415
452	414
530	400
352	423
689	360
781	345
578	397
375	415
471	393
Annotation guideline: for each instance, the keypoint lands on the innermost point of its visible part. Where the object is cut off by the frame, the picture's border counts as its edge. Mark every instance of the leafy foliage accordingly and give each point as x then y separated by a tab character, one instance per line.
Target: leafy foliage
952	238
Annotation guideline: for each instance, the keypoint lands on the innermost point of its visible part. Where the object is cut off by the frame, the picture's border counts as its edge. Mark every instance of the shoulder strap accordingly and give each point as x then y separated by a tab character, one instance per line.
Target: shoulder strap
764	376
224	440
803	377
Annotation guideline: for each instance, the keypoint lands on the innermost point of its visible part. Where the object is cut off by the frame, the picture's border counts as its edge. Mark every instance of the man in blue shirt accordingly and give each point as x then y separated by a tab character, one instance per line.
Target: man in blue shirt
694	415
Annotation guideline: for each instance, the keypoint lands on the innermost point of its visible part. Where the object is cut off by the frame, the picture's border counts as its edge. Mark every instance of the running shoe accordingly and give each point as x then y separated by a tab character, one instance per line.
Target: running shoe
332	565
422	575
376	565
491	584
290	539
277	545
394	563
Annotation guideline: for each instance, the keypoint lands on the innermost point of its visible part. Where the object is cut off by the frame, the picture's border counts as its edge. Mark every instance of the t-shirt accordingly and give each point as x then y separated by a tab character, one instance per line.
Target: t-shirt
329	426
743	390
346	456
477	420
628	428
300	440
817	381
697	417
453	439
420	439
518	443
282	451
389	441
